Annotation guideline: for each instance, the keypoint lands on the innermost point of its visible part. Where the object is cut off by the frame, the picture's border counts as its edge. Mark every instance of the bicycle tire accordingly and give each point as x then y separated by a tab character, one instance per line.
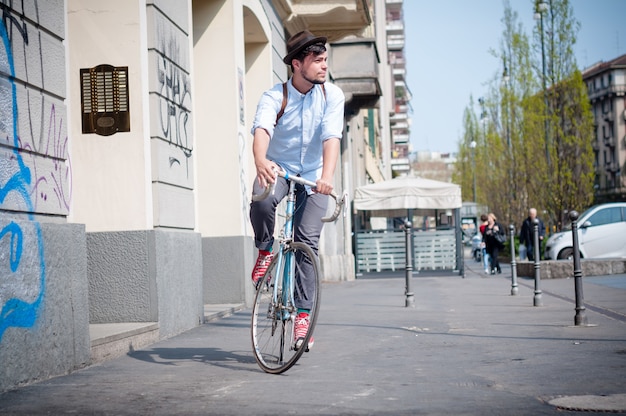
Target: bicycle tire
272	336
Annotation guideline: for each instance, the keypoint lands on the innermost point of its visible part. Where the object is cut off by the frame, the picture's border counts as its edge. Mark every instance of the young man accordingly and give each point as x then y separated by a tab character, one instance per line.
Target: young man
303	139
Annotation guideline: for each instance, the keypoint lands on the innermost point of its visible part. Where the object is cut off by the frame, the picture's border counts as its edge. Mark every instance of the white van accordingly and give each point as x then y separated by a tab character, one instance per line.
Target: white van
601	233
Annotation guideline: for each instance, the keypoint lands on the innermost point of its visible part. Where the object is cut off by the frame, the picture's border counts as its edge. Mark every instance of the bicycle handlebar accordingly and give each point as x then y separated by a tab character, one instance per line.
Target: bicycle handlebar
339	201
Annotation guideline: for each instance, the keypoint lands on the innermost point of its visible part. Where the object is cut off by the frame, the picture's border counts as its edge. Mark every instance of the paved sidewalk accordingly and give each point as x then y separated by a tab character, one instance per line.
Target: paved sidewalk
467	348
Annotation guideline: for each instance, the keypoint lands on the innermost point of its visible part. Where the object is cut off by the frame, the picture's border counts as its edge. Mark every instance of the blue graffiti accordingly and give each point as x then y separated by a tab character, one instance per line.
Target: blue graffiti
17	312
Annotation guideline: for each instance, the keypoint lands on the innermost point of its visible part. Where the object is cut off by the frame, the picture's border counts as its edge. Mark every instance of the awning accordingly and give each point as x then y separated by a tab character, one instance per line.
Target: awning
408	193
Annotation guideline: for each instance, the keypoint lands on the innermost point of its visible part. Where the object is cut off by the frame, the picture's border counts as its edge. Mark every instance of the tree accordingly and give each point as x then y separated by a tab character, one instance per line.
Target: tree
569	122
464	169
535	150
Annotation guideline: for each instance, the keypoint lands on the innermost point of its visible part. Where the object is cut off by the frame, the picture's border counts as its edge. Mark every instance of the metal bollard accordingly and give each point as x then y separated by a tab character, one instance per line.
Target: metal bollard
537	298
410	300
514	288
580	318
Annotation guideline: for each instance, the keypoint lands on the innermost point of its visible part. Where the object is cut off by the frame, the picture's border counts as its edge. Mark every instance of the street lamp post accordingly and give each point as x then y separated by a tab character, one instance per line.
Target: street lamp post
506	78
483	117
540	8
473	147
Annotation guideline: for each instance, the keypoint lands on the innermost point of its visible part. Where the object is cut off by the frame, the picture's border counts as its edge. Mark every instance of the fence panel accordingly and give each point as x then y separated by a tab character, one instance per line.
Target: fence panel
382	251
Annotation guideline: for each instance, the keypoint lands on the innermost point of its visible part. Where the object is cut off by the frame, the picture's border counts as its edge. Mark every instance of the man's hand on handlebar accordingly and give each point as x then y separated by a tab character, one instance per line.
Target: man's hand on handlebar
323	187
266	172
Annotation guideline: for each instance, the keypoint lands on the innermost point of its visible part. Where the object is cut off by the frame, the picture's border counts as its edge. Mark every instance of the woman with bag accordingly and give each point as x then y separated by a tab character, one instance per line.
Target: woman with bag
494	238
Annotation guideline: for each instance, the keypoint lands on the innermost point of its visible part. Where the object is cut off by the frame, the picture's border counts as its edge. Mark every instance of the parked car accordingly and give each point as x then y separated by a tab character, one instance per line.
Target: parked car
601	233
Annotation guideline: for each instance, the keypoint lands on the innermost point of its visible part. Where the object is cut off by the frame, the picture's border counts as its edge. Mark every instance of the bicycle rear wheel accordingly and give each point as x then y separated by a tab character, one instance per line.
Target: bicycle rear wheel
273	317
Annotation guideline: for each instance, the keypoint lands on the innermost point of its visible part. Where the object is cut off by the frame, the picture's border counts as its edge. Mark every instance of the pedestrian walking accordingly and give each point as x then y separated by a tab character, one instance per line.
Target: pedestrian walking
481	228
494	241
526	238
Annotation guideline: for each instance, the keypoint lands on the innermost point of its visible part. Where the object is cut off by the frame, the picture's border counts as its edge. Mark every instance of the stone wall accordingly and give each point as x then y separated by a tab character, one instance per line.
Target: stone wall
556	269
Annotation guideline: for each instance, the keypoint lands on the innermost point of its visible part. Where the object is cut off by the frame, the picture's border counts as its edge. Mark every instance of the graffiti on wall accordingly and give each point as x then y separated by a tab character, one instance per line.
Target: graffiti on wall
40	133
52	185
22	289
174	91
35	174
243	182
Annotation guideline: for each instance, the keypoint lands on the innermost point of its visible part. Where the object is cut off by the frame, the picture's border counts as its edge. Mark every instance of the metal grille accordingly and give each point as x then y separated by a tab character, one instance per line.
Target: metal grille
105	98
386	250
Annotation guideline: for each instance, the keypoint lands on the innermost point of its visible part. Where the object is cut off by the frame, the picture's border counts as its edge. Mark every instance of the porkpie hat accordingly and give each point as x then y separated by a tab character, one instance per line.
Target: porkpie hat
298	42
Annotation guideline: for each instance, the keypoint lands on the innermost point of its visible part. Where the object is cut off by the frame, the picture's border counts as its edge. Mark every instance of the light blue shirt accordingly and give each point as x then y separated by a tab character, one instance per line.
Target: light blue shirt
296	142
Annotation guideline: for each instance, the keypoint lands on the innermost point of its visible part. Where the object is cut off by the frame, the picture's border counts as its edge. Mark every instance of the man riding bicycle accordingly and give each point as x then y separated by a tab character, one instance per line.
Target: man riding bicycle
297	128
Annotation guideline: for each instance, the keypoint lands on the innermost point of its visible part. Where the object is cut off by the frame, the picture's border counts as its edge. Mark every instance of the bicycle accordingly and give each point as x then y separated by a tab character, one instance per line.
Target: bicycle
274	310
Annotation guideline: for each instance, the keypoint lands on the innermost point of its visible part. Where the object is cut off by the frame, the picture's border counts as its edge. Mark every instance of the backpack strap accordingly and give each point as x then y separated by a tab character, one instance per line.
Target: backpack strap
284	103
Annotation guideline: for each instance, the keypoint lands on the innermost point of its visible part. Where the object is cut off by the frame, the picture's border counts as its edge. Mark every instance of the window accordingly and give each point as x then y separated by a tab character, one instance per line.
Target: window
606	216
606	106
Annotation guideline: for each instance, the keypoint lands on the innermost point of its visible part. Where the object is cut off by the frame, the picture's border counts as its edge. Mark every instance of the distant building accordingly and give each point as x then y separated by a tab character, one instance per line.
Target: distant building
433	165
400	164
606	86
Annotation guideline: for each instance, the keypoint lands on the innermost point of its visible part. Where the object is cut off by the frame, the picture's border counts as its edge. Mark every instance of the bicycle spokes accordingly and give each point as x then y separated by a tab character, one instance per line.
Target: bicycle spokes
274	311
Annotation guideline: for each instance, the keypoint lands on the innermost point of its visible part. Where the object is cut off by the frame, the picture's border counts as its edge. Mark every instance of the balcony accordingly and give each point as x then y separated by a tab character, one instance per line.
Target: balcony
395	27
333	19
609	141
398	118
354	68
397	3
402	108
395	42
400	165
399	73
611	166
397	59
402	125
613	90
400	138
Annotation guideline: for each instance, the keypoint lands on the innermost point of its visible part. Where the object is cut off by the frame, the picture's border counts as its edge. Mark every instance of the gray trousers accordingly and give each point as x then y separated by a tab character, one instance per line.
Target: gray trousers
307	224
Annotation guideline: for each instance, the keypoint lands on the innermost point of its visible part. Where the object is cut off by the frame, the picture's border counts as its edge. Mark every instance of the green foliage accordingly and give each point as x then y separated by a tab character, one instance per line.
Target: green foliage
535	148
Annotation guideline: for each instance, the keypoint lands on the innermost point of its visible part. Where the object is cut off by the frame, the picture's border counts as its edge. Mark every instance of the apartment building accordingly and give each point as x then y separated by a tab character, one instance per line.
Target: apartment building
400	121
606	87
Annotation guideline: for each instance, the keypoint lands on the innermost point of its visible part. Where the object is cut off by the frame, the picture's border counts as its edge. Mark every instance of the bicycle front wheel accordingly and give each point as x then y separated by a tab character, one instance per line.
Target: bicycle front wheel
274	312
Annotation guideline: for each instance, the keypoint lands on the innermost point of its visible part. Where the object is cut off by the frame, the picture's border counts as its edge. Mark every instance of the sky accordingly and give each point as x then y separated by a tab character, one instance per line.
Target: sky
447	45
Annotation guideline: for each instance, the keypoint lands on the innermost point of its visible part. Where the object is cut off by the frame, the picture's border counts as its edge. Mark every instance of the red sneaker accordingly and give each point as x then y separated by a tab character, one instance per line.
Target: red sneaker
262	263
300	330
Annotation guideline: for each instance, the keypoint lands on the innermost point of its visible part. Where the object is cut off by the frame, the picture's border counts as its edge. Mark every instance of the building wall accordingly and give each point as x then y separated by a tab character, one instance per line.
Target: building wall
111	181
43	286
171	131
44	325
35	175
606	86
110	186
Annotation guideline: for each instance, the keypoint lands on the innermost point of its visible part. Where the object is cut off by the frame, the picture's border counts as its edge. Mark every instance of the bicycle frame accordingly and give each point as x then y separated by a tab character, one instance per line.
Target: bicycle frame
285	258
273	340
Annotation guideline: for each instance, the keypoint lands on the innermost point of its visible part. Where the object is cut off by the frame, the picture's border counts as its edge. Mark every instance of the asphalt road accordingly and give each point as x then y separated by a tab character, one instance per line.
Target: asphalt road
467	348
